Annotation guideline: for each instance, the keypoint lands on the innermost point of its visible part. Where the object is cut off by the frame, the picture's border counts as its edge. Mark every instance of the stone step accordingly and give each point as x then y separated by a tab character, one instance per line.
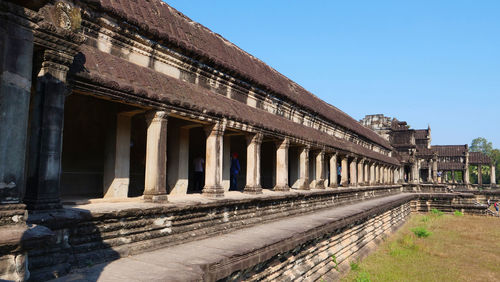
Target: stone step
246	253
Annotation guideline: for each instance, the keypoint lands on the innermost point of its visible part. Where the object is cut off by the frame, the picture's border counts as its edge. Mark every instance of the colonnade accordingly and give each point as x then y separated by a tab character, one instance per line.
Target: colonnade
354	170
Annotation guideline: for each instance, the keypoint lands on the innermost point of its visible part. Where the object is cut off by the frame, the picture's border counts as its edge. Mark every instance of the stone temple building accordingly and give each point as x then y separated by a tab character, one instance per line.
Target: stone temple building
105	105
423	163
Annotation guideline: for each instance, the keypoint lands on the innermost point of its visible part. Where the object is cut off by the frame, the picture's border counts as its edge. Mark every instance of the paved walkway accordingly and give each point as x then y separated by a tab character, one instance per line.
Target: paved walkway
186	262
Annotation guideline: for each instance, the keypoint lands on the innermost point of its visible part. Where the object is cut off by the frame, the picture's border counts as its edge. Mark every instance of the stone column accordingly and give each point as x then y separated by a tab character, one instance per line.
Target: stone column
344	179
380	174
480	175
253	185
214	161
434	171
333	170
155	187
282	165
493	175
45	148
360	170
467	172
429	171
414	172
372	173
366	175
304	168
386	175
320	170
453	176
117	160
16	57
353	172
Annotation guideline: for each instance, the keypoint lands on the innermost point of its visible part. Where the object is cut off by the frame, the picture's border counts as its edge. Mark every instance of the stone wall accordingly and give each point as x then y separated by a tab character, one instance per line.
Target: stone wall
327	256
85	238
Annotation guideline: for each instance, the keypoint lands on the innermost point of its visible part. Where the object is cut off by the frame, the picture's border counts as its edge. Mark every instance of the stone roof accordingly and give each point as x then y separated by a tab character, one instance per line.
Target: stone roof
421	133
479	158
118	74
450	150
424	152
450	166
160	22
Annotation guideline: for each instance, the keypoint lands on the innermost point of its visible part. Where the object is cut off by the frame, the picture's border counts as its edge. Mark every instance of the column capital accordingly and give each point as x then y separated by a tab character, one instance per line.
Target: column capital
156	116
254	138
283	143
218	128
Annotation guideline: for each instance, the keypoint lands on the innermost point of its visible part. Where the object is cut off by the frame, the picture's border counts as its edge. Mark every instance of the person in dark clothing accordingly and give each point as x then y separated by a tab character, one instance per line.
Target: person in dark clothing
199	164
235	170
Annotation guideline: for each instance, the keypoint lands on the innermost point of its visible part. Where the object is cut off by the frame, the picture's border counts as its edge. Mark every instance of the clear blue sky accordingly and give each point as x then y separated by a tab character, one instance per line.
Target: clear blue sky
426	62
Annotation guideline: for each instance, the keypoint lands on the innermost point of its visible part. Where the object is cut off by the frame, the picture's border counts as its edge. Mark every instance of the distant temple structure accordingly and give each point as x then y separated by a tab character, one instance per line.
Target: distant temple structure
423	163
106	104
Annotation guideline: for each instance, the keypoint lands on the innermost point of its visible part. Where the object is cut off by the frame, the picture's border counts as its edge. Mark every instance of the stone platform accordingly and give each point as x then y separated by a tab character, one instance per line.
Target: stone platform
253	252
94	231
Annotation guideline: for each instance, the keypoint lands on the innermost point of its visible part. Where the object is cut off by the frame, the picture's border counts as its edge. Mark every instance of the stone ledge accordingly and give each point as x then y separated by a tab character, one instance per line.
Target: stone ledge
218	257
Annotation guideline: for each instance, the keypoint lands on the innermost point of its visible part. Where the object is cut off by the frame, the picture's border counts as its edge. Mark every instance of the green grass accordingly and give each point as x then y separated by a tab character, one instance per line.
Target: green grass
461	248
437	212
458	213
421	232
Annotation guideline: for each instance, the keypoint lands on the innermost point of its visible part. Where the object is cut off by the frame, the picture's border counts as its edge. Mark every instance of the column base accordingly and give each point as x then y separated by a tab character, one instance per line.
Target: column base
334	186
43	204
281	188
320	184
213	192
304	187
161	198
304	184
252	190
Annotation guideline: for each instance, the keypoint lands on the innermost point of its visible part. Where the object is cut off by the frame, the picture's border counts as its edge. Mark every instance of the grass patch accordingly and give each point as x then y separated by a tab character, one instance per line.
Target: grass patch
458	213
437	212
354	265
460	248
421	232
363	276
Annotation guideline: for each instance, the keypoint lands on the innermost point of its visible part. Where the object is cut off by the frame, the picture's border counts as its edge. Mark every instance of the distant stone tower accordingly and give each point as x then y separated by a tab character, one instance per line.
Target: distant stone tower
379	123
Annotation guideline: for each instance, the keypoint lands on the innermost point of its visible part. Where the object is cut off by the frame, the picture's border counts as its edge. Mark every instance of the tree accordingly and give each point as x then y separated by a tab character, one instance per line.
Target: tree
482	145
